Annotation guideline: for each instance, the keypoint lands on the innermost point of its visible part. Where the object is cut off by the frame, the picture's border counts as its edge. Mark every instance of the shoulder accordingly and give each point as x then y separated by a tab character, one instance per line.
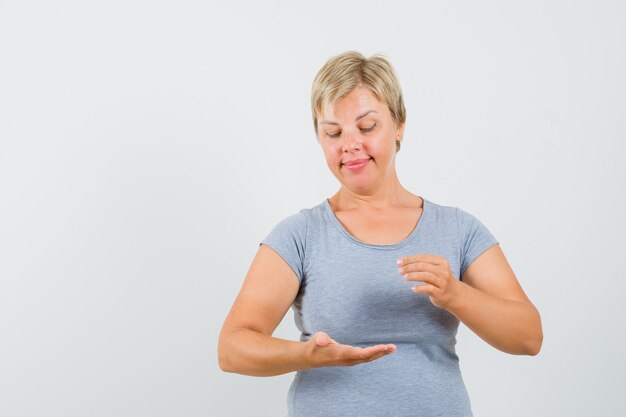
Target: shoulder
289	239
442	214
297	220
439	209
454	218
450	212
297	225
301	219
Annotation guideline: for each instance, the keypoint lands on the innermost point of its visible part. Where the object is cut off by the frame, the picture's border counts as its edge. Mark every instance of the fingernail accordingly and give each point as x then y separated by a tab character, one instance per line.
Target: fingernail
400	270
399	261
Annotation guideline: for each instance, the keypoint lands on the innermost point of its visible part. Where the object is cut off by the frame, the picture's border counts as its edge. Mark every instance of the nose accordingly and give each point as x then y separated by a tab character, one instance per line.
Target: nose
352	142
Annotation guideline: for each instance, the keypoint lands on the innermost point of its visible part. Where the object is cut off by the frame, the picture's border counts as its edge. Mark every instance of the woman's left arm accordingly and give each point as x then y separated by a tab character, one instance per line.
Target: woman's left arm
489	300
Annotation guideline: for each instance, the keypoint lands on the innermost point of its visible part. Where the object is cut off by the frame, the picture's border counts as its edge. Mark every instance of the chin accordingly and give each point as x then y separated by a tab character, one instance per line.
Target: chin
360	184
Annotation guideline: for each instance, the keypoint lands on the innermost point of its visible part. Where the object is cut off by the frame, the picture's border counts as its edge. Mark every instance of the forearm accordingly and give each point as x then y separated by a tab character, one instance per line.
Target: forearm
248	352
510	326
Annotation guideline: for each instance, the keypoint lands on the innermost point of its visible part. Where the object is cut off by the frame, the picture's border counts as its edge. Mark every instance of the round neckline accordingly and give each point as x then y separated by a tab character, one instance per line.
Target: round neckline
333	218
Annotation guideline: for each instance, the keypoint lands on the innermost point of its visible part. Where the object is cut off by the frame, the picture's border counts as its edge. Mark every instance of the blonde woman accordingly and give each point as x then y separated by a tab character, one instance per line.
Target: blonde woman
378	277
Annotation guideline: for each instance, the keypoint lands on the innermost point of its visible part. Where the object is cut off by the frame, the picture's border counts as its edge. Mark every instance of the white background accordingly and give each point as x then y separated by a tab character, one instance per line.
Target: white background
147	147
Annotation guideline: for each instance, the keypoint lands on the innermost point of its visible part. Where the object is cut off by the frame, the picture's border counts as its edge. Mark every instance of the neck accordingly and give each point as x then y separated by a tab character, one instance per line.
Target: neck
391	194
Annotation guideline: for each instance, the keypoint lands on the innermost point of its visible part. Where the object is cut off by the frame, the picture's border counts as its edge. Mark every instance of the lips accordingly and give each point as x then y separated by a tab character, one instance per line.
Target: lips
356	165
355	161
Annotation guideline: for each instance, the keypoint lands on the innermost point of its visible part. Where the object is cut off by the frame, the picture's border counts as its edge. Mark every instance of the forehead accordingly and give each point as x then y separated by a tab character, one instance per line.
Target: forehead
356	102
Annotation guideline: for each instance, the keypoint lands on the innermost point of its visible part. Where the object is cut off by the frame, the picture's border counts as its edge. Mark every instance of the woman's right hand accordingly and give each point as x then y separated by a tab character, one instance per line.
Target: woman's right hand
324	351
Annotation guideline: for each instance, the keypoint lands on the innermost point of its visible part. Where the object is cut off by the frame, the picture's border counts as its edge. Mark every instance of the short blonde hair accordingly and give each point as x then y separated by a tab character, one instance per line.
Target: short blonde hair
343	73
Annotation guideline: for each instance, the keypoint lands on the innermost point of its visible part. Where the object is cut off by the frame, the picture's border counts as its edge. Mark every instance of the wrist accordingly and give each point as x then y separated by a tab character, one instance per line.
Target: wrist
306	354
458	298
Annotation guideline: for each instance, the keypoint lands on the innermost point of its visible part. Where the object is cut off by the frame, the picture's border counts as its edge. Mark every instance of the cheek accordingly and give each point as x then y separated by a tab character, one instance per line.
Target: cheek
331	152
330	157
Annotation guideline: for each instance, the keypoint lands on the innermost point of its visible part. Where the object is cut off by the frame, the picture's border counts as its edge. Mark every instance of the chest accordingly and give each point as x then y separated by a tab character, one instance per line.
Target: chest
376	229
357	295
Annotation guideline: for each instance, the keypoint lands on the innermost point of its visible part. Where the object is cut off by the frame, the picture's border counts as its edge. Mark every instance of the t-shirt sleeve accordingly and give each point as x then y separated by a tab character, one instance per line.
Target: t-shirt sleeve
475	238
288	239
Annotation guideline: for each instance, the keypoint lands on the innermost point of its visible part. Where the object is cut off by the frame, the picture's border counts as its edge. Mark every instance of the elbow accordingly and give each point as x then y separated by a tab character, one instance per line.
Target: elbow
529	340
530	346
535	346
534	343
223	359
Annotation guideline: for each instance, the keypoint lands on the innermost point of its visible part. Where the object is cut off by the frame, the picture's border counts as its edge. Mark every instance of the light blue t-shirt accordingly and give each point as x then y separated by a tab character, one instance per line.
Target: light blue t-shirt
352	290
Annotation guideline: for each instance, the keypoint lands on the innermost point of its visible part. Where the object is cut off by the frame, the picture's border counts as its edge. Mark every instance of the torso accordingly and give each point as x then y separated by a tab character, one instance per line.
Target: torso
386	227
354	293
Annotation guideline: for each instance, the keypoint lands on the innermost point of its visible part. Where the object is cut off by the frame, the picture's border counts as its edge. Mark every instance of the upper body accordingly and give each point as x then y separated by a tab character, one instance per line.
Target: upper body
359	120
351	289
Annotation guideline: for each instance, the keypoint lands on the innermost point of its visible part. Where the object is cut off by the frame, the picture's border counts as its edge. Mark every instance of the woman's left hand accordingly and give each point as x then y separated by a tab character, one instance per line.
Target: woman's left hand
434	271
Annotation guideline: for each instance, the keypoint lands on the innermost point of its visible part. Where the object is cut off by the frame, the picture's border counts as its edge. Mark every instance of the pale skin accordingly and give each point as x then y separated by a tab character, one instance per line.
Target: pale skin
489	300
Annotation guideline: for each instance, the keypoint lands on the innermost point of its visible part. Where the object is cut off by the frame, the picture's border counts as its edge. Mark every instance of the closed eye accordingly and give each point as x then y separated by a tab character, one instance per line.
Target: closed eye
369	129
333	134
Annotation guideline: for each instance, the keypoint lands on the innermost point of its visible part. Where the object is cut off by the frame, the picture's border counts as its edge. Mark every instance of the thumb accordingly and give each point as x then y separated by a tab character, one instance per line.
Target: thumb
322	339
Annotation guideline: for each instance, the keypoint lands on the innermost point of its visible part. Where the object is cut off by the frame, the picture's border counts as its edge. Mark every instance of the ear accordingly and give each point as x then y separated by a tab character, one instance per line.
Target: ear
400	132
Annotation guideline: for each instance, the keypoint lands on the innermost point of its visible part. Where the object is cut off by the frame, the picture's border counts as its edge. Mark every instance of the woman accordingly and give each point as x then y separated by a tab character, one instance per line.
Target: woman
378	277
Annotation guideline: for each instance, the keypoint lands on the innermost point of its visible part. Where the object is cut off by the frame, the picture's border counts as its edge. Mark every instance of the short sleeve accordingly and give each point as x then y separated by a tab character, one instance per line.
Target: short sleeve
475	238
288	239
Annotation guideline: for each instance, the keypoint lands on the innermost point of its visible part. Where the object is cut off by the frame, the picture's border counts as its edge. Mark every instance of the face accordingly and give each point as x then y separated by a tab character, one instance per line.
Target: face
358	137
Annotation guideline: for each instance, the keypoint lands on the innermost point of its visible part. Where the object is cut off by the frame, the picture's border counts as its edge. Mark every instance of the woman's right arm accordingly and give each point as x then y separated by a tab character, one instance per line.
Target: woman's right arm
246	345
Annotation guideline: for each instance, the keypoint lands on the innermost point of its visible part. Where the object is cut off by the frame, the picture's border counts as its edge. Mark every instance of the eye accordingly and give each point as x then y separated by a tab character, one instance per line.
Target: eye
333	134
369	129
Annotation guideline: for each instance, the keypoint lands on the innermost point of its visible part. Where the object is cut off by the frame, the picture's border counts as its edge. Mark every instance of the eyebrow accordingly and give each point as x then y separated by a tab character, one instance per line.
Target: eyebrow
326	122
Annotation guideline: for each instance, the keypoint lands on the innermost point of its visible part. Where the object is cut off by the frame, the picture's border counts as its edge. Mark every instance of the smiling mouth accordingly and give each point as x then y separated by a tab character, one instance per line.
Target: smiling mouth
356	162
356	165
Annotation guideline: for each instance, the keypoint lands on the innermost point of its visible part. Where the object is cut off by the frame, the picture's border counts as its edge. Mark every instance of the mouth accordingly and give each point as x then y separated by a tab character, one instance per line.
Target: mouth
356	164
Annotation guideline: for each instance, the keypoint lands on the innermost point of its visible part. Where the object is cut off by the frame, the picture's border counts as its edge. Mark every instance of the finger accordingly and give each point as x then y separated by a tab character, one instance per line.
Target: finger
360	354
425	277
419	266
421	257
426	289
374	357
369	357
379	348
389	349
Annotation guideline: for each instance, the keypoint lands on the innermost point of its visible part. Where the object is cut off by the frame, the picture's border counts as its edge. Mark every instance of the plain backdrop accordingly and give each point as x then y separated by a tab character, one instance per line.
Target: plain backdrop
147	147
